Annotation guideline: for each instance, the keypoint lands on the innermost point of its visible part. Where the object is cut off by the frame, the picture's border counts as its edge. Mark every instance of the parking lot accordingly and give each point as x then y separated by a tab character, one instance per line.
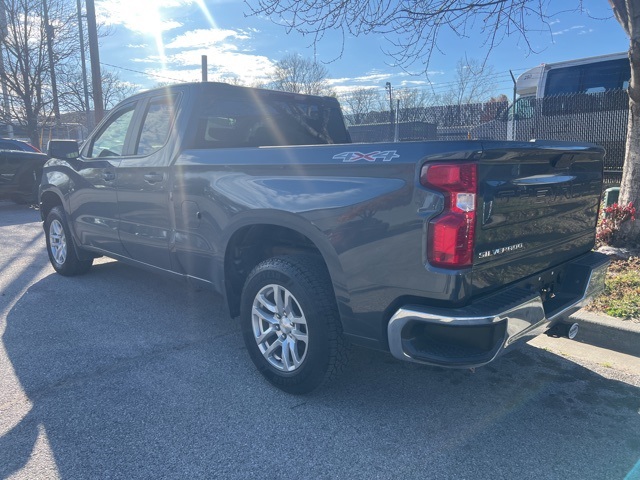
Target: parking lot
124	374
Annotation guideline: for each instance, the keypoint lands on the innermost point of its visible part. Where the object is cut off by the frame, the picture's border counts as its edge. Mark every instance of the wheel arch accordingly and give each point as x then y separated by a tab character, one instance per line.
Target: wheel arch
254	241
48	200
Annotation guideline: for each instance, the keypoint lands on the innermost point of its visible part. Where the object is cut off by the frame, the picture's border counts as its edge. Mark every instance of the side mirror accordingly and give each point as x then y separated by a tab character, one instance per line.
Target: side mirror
63	149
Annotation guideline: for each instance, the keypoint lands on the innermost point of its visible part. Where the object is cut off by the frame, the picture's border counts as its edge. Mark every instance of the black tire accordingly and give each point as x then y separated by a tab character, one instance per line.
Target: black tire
315	350
60	246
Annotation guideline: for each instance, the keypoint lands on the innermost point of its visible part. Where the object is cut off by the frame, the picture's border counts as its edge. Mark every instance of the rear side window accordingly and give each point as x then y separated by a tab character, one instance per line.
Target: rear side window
254	120
156	125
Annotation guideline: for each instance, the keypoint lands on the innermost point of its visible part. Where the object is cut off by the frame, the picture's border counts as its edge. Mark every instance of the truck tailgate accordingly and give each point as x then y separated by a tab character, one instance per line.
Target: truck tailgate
537	207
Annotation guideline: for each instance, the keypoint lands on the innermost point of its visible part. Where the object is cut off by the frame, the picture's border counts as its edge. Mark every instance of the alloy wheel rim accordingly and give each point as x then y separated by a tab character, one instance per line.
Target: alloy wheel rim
280	328
57	242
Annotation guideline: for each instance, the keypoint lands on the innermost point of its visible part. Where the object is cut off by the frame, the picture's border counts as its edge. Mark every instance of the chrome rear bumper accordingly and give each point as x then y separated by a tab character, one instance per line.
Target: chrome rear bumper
475	335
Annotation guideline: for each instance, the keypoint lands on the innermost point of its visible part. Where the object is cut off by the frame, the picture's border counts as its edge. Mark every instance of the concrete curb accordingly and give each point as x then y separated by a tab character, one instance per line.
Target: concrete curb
607	332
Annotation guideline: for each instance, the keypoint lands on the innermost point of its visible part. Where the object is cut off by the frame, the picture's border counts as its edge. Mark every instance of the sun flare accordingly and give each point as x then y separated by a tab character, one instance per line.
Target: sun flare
207	13
151	18
146	17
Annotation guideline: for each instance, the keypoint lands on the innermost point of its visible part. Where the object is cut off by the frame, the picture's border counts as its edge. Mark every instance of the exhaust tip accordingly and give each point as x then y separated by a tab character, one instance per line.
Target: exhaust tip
567	330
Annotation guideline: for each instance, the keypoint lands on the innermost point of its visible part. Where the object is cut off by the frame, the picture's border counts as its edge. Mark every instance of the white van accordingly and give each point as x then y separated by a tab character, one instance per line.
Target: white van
583	75
578	100
592	75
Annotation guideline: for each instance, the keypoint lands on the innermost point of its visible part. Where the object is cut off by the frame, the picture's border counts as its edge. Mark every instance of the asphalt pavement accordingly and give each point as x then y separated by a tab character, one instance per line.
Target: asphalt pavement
124	374
596	328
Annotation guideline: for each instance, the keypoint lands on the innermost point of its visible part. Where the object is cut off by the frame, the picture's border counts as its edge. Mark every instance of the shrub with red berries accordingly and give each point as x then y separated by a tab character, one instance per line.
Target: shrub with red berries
611	218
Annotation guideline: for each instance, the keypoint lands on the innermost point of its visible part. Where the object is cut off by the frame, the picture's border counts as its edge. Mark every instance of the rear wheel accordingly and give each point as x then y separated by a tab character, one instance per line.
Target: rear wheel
60	246
290	323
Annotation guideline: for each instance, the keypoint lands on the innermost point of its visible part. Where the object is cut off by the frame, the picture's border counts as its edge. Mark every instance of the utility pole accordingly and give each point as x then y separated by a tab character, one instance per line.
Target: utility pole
96	77
204	69
512	124
48	28
396	132
87	107
515	90
5	93
389	89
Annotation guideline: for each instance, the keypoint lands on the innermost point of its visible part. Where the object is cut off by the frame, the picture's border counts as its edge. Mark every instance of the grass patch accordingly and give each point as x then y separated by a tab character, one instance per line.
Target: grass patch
621	297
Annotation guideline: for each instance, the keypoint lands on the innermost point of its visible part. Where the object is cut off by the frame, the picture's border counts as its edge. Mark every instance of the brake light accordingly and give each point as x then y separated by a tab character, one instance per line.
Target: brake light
451	235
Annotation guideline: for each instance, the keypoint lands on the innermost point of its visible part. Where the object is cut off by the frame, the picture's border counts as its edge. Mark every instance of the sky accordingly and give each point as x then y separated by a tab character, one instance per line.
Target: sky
162	41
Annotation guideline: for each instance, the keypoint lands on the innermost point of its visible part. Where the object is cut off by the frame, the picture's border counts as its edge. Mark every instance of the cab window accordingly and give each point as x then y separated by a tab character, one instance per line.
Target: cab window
267	119
156	125
110	142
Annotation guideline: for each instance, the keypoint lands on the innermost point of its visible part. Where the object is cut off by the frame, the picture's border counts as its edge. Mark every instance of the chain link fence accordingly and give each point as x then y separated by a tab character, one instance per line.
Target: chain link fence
599	118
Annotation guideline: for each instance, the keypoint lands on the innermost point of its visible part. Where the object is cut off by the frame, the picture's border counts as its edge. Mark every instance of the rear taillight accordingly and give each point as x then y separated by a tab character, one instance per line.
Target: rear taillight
451	235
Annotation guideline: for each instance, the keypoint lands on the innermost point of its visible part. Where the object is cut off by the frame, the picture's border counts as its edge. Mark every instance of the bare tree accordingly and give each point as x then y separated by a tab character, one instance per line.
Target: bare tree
231	80
300	75
114	90
628	15
473	83
26	61
411	27
359	103
413	30
493	106
71	88
413	102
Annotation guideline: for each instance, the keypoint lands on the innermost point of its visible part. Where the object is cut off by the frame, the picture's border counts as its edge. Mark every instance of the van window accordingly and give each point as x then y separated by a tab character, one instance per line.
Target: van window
563	80
589	78
524	108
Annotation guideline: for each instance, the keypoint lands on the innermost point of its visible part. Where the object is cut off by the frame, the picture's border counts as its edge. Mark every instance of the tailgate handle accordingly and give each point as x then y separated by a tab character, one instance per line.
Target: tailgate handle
563	161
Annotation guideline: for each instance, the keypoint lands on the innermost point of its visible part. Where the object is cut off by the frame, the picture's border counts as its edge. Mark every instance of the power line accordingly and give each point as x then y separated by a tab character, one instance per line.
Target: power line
143	73
500	79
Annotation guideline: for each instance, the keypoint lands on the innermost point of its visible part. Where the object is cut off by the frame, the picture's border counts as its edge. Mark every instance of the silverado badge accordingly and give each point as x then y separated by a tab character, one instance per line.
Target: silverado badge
500	251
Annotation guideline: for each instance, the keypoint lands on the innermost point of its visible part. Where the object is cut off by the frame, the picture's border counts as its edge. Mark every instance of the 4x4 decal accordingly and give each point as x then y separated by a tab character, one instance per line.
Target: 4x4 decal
350	157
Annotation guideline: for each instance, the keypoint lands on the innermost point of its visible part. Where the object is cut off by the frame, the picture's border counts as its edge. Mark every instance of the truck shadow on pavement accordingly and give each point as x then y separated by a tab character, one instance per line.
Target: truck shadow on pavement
15	214
130	375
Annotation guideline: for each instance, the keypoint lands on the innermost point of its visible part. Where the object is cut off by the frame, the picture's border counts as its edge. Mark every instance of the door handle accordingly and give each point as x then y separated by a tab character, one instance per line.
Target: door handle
109	176
153	177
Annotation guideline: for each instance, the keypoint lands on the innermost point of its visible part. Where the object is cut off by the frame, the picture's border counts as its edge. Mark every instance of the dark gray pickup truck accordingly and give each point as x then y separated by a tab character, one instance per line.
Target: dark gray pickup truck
444	253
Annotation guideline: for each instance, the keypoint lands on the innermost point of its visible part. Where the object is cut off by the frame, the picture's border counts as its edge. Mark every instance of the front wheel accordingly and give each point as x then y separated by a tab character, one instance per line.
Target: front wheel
290	323
60	246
